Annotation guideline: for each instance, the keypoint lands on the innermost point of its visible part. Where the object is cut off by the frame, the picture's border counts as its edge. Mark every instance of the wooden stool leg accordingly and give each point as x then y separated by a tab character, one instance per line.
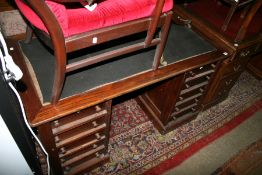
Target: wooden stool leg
29	35
248	19
229	16
161	45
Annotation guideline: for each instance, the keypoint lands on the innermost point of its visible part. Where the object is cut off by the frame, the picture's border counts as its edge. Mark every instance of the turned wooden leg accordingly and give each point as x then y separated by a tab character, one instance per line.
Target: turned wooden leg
161	46
29	34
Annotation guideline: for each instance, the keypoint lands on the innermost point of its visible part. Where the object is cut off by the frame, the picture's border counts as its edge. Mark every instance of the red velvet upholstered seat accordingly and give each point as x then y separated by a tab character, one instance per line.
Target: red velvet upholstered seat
107	13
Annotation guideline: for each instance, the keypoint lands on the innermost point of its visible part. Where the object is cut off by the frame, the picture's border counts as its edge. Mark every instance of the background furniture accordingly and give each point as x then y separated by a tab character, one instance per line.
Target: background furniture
241	49
234	5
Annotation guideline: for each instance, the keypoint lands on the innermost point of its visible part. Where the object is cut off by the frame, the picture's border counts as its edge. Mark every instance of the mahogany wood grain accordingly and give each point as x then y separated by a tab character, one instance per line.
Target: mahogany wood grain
26	84
41	113
110	91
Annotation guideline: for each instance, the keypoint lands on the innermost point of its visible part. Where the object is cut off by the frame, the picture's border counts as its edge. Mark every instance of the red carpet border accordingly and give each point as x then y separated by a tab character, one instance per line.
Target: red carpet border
136	147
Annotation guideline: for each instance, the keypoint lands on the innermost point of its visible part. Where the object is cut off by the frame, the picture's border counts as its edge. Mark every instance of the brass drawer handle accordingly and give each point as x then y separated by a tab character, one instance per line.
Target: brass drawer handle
98	137
193	109
244	53
57	139
63	150
56	123
94	123
192	73
181	98
229	82
187	86
97	108
177	109
236	68
94	146
97	155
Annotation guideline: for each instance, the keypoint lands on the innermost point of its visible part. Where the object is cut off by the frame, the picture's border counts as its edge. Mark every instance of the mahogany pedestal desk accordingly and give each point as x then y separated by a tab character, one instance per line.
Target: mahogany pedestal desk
75	131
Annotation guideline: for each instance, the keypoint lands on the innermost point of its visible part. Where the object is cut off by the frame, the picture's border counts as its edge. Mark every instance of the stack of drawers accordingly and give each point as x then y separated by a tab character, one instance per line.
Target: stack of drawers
228	74
81	139
179	99
193	88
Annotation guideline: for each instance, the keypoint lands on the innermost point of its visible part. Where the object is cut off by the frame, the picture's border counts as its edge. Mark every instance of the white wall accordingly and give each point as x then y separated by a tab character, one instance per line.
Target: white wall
12	161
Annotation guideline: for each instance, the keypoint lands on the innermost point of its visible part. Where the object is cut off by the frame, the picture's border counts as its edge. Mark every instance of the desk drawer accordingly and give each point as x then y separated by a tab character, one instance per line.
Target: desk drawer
80	140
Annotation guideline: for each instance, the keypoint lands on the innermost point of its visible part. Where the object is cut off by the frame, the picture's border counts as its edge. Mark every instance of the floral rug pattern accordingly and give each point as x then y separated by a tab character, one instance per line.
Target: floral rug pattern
134	150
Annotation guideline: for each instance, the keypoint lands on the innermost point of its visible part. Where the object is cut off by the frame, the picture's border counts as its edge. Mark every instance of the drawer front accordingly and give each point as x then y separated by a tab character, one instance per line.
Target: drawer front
82	138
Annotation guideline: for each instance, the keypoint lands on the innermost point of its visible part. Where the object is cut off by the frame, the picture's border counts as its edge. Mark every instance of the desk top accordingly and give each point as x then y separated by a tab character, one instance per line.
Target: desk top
185	50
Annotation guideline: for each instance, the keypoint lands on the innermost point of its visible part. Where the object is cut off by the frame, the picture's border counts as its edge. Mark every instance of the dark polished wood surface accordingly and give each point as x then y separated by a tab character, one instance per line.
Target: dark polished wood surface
39	114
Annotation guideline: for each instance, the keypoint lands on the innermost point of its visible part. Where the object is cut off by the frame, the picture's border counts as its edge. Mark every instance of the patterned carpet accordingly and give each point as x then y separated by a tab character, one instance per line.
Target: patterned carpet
136	146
